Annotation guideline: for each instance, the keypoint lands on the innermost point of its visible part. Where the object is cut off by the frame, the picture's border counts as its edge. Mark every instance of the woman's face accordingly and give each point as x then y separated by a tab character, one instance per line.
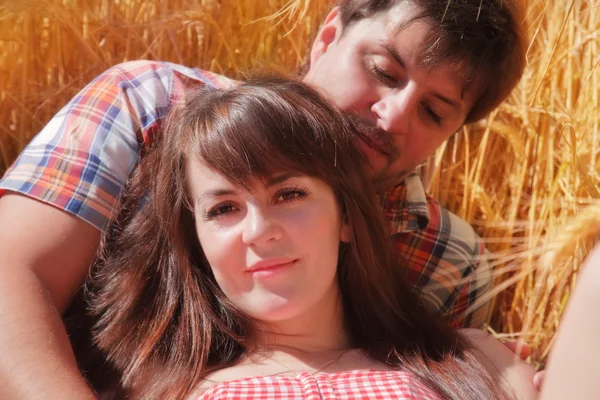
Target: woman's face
273	250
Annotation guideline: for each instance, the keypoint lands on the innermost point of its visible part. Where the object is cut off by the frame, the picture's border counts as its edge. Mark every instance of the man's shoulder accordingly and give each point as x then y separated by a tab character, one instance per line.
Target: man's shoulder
447	221
411	209
458	233
140	72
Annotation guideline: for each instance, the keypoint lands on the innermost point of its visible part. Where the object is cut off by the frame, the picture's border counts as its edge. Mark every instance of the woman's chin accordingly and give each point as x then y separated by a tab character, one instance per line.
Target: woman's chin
272	309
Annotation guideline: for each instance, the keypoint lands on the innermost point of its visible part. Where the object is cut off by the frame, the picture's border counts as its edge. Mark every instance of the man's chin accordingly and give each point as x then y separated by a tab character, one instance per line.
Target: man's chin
383	179
378	167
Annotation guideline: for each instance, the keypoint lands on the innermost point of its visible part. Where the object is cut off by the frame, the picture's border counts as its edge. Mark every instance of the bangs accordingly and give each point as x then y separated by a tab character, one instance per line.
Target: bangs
250	132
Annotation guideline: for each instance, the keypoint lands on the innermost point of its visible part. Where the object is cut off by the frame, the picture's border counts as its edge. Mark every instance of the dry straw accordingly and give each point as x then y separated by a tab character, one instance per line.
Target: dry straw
522	177
526	172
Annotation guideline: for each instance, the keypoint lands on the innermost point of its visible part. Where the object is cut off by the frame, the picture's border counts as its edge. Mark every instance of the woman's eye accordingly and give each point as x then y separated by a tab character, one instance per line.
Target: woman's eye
290	194
219	211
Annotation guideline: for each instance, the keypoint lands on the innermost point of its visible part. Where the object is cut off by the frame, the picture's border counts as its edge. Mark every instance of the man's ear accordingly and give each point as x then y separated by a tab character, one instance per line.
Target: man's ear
328	34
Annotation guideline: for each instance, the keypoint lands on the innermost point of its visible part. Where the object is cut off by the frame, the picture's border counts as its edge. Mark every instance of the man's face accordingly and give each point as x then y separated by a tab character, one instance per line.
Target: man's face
373	72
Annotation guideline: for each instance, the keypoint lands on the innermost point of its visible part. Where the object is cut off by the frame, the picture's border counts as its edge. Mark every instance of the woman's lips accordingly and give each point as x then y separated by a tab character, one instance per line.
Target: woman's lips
269	268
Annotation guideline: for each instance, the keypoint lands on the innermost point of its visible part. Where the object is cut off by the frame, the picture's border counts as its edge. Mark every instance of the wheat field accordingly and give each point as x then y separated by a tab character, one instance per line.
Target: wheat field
526	177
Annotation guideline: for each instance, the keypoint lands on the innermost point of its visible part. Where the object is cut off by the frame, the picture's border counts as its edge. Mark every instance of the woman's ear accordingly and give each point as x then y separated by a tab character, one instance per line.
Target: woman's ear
346	232
329	32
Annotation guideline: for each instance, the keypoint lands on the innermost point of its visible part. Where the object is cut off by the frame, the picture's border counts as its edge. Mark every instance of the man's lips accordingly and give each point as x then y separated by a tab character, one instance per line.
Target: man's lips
375	138
371	143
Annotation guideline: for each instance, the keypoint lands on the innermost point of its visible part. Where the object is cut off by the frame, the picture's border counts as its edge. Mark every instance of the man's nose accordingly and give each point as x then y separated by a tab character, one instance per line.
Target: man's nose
394	109
260	227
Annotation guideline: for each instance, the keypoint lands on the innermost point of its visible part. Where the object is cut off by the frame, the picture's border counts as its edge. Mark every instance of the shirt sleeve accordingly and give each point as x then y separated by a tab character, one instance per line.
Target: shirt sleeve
446	262
81	159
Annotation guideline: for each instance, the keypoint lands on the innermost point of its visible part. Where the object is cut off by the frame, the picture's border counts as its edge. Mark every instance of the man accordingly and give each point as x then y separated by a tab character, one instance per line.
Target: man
411	71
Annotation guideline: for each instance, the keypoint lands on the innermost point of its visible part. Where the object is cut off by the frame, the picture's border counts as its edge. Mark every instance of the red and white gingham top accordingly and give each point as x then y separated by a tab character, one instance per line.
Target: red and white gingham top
348	385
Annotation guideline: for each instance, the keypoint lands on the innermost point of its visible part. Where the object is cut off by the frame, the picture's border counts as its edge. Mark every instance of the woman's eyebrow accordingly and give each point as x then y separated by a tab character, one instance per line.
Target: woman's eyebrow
281	178
215	193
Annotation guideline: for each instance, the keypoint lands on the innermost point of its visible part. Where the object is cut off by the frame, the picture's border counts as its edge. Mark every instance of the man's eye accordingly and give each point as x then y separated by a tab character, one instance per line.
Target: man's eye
432	115
381	74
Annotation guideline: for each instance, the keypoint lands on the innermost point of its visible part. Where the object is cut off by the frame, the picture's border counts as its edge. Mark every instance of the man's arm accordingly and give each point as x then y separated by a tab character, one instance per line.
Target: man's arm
44	257
446	261
474	299
469	300
58	196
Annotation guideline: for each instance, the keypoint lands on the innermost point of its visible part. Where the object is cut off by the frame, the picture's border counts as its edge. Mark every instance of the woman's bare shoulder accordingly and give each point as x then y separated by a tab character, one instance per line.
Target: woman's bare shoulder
516	374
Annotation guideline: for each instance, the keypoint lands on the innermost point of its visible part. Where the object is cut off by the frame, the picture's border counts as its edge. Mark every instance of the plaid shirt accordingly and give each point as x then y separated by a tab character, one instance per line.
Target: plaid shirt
80	161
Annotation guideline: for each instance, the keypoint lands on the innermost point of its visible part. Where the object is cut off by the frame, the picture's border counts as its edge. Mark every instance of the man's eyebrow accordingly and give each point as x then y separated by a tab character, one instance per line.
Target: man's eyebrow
448	101
393	52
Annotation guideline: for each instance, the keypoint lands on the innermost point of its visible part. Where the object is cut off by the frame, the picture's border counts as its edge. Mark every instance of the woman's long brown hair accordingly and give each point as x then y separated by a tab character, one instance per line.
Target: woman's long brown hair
160	318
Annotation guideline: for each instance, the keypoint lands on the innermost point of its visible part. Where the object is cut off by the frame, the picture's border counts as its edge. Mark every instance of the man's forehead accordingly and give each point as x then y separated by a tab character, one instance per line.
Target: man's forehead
426	38
408	36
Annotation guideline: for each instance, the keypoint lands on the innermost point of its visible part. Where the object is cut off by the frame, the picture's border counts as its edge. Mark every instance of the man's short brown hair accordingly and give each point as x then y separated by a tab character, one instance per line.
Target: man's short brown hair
486	34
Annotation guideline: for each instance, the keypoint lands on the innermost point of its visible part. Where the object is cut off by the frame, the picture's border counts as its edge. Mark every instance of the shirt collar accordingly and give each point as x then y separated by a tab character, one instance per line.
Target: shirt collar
405	205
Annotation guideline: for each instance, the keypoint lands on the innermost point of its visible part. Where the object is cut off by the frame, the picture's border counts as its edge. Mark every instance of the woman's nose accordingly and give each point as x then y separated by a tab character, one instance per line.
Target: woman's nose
260	227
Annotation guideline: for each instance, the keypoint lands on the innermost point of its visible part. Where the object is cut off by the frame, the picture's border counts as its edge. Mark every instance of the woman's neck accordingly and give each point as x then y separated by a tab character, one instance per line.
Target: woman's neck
319	329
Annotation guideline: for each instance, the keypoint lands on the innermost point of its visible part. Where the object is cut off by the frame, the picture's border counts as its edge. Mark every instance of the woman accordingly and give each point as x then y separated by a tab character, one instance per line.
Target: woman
574	358
259	261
